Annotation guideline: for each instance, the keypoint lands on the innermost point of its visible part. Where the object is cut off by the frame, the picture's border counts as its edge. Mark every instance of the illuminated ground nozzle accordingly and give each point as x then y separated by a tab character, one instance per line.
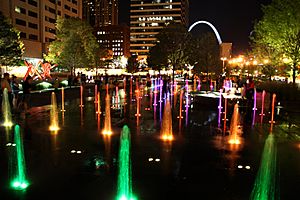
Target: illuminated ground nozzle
167	137
234	141
107	132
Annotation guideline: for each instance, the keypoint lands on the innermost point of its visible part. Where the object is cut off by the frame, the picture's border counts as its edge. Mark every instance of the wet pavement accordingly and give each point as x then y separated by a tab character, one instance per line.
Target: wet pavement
77	162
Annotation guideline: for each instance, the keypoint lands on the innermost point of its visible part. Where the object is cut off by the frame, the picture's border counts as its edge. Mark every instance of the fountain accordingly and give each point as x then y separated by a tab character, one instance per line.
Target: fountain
262	104
19	181
138	114
180	105
96	91
6	110
81	96
254	107
98	104
265	182
53	114
166	127
124	178
234	126
107	121
273	107
62	100
220	109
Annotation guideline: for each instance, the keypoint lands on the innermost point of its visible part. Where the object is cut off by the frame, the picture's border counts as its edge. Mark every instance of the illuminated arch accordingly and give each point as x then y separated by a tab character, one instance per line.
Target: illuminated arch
210	25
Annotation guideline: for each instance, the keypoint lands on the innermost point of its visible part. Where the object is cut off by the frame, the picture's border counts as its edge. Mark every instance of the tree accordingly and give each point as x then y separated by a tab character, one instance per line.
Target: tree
132	64
11	47
279	31
157	59
204	53
173	41
75	45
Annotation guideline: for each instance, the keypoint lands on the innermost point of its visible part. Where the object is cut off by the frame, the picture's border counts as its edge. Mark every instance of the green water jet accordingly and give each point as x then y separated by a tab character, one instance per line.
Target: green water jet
124	177
19	181
265	182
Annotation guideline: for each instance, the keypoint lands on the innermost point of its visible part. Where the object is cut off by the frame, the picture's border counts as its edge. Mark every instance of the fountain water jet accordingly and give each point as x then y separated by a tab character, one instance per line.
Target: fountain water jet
180	105
124	178
234	126
138	102
62	100
98	104
81	96
166	129
107	121
265	186
53	114
19	181
6	109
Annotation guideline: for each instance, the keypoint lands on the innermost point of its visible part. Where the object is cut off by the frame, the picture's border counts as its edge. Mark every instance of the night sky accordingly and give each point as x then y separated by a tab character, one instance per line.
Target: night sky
234	19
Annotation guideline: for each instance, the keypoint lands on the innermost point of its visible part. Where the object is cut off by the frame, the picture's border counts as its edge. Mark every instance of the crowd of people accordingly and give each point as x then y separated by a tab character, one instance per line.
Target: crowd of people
18	103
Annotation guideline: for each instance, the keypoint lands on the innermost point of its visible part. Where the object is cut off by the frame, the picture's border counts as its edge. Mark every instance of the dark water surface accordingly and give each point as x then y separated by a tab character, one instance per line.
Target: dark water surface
198	164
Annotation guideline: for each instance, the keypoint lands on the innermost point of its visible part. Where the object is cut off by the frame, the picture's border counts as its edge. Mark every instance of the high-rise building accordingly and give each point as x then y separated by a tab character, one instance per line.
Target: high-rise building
148	17
114	38
36	19
100	13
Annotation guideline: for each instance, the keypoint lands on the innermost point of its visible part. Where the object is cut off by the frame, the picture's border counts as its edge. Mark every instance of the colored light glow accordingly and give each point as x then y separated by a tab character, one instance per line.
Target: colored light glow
124	177
53	128
7	124
107	121
19	185
53	114
234	141
167	137
6	110
19	175
166	128
107	132
265	186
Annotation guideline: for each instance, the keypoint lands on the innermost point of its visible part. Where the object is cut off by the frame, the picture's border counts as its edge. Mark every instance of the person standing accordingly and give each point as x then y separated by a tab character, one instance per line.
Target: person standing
15	91
27	87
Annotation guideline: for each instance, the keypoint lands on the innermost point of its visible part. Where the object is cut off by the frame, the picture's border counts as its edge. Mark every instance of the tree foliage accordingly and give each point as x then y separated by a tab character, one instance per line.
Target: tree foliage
204	53
75	45
277	34
171	46
132	64
11	47
157	59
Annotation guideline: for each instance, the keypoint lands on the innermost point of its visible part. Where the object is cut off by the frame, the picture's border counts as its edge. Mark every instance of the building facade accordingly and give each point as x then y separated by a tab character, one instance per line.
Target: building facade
36	19
148	17
100	13
114	38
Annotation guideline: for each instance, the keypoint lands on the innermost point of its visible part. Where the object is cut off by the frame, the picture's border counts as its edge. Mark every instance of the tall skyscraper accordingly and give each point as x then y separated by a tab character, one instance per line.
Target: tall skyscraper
148	17
100	13
36	19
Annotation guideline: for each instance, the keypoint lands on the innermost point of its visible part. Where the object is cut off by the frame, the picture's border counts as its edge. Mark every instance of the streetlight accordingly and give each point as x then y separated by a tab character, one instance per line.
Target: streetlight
223	60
